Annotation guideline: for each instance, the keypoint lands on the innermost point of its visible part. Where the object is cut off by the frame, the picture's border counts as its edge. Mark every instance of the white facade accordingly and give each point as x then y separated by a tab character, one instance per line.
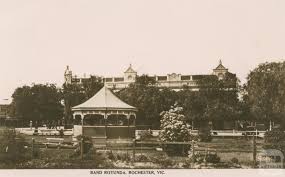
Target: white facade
173	81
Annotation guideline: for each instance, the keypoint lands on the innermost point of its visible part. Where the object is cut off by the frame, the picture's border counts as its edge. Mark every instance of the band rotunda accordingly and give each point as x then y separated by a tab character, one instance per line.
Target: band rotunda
104	116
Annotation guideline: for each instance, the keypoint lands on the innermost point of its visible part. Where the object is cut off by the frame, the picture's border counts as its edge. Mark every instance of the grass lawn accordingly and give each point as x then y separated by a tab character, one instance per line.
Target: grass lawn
226	149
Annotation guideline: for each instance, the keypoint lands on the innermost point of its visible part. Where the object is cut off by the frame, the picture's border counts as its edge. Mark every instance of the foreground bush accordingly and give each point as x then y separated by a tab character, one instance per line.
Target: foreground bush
275	140
174	128
64	159
12	147
274	136
163	161
205	158
64	164
87	144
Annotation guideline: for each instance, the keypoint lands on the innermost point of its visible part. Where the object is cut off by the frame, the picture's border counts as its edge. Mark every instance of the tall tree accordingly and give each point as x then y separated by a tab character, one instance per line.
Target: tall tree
74	94
216	100
266	94
38	102
149	100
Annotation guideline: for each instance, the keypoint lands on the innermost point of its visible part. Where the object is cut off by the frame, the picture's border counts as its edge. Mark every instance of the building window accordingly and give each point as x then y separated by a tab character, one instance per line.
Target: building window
75	80
109	79
161	78
119	79
183	78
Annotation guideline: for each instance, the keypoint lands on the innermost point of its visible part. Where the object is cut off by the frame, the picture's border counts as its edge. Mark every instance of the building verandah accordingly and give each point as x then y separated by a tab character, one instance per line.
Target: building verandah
112	124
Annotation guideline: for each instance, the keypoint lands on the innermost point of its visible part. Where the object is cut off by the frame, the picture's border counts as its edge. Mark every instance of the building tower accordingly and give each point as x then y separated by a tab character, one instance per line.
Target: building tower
130	74
220	71
68	75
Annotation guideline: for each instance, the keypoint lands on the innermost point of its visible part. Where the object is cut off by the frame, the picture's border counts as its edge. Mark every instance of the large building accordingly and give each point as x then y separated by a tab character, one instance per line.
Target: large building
173	81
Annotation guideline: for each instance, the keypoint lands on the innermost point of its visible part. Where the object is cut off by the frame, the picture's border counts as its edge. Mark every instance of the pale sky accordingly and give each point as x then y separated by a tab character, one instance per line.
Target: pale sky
38	38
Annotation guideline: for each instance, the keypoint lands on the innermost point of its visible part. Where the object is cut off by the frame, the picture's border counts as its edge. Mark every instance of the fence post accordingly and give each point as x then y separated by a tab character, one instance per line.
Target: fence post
81	148
134	150
33	147
193	148
254	151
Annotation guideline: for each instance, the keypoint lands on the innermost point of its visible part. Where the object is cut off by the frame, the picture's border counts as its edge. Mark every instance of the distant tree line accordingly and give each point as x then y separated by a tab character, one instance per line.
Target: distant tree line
260	99
37	103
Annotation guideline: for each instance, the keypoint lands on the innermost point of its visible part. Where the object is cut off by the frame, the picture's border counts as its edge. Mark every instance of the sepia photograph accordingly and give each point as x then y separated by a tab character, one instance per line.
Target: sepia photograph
142	87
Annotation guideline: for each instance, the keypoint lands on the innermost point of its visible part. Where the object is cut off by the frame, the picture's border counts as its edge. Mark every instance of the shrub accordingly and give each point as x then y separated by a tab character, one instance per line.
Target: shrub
235	160
274	136
142	158
111	156
212	158
166	163
163	161
91	154
174	128
87	144
274	140
188	163
208	158
125	157
198	157
12	146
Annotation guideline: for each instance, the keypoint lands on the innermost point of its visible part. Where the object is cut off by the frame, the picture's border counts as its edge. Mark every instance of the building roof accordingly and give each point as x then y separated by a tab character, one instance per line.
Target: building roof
104	100
130	69
221	66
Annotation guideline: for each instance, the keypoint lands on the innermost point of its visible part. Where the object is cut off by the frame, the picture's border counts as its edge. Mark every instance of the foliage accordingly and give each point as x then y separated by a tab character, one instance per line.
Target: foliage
74	94
174	126
265	91
87	144
38	102
64	159
274	136
234	160
124	157
142	158
207	158
111	156
212	158
163	161
217	100
12	146
174	129
149	100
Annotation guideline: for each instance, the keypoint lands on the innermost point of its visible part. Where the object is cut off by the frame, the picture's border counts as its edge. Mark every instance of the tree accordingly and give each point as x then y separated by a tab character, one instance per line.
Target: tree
149	100
37	103
174	128
265	90
216	101
75	94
